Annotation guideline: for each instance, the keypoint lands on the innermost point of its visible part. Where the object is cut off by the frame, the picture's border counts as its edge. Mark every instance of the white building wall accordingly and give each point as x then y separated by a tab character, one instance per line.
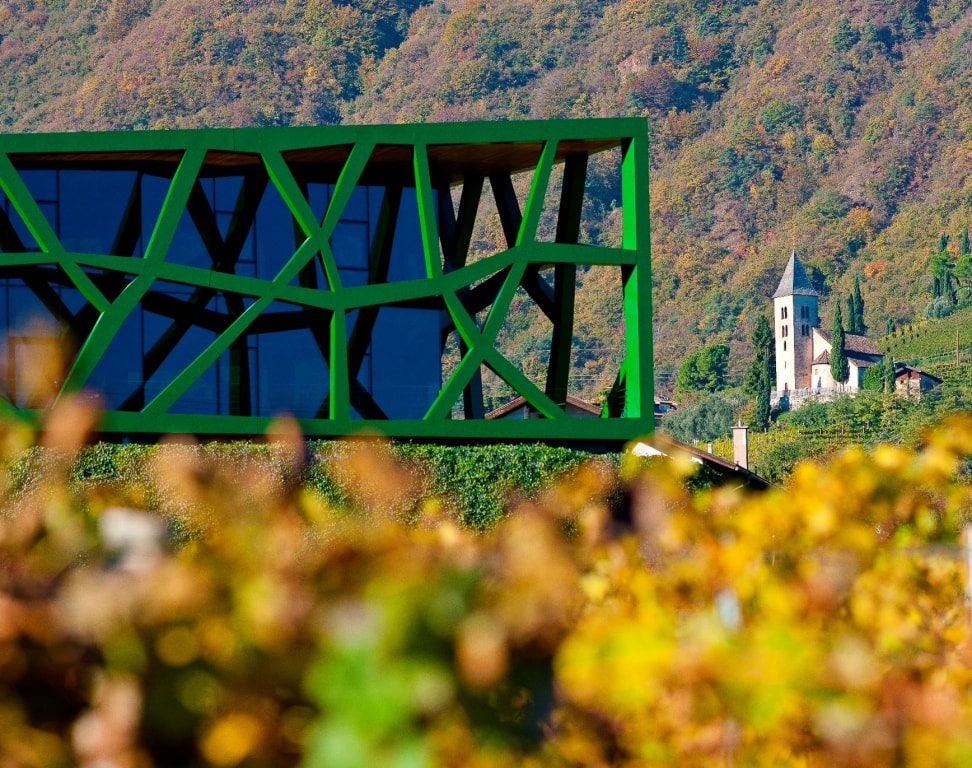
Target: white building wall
822	380
794	318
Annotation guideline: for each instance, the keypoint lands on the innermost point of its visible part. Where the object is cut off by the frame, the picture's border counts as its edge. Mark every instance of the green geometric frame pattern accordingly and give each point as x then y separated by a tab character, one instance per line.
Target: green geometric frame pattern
110	268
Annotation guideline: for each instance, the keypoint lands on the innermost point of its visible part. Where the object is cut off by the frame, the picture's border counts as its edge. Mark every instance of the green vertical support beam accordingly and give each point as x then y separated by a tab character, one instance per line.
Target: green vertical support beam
465	220
639	384
428	220
527	231
340	385
565	278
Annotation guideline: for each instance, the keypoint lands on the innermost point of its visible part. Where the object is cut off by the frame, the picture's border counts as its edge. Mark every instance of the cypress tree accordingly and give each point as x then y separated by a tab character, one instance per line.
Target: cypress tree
856	322
759	376
839	369
942	266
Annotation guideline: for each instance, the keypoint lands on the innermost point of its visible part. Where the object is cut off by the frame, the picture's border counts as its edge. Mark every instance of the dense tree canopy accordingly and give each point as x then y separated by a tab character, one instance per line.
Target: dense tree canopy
704	371
709	419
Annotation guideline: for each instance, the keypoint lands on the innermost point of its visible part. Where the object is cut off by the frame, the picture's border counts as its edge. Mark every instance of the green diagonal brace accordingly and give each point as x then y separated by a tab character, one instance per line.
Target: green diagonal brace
112	318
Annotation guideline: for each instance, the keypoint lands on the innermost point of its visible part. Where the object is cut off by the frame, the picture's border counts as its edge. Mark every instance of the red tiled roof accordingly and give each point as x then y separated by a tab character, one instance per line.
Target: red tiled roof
519	401
903	369
853	343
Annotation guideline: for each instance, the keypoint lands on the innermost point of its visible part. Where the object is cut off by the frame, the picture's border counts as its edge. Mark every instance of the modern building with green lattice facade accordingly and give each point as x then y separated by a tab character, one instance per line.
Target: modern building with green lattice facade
209	281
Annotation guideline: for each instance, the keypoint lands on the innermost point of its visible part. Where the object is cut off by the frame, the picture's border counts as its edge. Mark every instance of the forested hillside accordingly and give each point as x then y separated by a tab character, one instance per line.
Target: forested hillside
841	129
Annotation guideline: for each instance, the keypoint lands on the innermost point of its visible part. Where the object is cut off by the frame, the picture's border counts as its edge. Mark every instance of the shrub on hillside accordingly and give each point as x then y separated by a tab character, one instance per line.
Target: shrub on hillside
938	308
709	419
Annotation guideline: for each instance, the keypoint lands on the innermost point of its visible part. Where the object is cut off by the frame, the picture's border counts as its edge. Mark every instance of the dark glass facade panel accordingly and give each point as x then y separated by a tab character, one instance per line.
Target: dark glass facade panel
192	342
91	208
292	374
20	305
93	211
119	374
188	247
14	235
405	355
277	366
349	244
153	192
35	314
42	183
407	257
274	236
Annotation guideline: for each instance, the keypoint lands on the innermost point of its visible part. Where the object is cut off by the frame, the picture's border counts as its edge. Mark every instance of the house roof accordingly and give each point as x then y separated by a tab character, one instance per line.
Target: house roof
660	444
824	357
795	281
519	401
854	344
903	369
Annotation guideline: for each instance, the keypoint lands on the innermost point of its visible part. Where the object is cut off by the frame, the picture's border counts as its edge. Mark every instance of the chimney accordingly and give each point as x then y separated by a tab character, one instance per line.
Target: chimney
740	445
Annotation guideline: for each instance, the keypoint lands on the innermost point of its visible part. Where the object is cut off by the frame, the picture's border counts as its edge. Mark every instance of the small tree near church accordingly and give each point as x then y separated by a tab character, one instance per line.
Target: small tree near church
839	368
759	376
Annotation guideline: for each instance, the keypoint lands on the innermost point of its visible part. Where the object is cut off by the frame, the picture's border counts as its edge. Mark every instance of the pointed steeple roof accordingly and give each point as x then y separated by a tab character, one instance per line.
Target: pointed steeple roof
795	281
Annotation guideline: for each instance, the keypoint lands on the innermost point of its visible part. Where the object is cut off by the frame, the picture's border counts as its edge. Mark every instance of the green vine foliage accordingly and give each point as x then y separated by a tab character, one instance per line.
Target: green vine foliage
478	482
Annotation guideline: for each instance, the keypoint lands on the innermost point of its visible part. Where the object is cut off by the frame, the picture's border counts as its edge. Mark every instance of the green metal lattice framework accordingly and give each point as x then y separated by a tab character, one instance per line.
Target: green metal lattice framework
447	166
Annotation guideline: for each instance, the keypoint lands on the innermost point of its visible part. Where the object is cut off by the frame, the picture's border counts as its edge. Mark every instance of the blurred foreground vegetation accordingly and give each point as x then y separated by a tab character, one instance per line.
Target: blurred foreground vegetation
230	613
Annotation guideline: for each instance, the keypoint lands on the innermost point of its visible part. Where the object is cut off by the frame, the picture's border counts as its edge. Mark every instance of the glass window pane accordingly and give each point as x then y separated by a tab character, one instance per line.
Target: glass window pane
408	255
349	244
41	183
92	208
276	240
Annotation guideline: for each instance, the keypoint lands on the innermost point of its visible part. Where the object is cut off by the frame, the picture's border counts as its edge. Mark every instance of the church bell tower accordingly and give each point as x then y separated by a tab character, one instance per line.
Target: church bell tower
794	318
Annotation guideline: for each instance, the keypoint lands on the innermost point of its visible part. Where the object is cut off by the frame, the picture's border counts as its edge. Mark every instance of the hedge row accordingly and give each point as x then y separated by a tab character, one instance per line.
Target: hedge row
476	482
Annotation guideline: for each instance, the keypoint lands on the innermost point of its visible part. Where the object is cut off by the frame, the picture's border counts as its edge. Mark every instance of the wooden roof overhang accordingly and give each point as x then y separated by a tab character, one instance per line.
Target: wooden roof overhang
455	151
